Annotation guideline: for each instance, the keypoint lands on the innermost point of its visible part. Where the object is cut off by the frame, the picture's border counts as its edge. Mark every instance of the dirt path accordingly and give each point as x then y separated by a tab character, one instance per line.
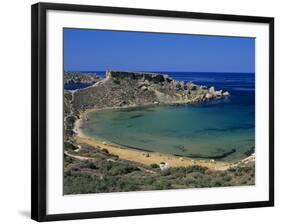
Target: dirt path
83	158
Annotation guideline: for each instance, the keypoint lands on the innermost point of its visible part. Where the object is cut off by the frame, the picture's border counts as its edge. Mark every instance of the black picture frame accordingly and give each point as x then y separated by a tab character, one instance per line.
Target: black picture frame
39	123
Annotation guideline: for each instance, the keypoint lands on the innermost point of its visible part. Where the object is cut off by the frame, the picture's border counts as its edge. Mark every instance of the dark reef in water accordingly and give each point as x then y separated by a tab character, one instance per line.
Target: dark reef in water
181	148
136	116
250	151
232	128
219	156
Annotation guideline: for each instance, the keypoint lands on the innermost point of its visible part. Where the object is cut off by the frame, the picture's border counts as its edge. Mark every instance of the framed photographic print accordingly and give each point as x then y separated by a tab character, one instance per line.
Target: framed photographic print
139	111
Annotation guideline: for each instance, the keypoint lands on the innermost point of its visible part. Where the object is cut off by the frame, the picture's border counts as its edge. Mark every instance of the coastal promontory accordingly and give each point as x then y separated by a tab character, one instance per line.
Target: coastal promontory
122	88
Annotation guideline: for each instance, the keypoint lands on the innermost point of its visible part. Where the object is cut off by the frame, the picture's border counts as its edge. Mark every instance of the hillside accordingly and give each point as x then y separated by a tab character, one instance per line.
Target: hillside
121	89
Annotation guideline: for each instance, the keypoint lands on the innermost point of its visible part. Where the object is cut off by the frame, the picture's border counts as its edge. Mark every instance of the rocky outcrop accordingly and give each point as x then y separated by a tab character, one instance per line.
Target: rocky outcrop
70	78
141	76
121	89
226	93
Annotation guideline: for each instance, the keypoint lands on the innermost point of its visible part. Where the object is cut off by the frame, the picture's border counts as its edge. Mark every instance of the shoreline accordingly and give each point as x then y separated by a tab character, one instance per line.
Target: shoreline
143	156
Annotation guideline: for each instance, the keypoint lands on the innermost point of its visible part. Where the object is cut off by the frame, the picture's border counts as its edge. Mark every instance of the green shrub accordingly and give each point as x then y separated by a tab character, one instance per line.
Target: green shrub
217	183
127	185
69	146
116	81
154	165
191	169
119	169
70	120
88	164
165	172
227	178
189	181
162	184
105	151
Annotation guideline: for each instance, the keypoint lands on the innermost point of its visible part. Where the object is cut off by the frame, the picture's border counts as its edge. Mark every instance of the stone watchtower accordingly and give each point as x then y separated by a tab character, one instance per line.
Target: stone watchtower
108	74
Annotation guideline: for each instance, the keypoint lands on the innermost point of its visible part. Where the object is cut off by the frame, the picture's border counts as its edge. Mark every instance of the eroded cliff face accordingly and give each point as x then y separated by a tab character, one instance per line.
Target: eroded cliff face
121	89
150	77
70	78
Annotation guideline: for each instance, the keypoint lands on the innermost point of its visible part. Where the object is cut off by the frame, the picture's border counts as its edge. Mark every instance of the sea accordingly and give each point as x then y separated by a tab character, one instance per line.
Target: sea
222	129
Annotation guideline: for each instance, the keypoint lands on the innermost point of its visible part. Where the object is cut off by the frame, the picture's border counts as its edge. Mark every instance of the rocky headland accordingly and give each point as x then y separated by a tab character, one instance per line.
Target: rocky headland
122	89
70	78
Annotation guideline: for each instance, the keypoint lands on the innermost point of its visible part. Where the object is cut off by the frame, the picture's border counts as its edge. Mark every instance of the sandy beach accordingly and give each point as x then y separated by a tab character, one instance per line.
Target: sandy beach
140	156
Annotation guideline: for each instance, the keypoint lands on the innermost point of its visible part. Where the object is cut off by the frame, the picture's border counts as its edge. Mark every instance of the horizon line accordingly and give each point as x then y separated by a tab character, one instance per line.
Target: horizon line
155	71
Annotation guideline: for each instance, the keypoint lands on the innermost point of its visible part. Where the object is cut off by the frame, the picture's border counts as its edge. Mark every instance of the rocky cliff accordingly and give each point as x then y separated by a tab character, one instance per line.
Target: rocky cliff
141	76
70	78
121	89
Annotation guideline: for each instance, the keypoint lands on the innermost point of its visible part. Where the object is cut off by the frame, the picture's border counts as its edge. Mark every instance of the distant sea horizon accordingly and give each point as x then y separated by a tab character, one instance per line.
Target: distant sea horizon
161	72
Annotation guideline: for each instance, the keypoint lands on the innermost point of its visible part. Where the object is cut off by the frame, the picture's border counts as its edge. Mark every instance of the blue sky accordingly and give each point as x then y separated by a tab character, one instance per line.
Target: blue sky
98	50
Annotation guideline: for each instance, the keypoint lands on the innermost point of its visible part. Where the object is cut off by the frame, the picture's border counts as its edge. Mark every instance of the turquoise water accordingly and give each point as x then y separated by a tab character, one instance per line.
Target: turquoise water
221	129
